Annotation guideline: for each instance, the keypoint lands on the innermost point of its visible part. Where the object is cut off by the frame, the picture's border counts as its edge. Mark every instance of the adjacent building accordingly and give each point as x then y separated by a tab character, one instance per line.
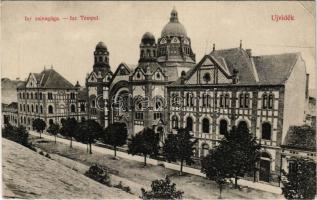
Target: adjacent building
49	96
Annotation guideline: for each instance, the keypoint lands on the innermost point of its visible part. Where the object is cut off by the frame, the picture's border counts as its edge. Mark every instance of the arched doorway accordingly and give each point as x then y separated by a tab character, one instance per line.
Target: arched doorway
189	124
265	167
223	127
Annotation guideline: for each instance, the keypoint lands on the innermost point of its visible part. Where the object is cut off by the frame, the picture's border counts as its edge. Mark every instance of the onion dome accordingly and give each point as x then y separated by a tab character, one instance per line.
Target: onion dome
173	27
101	45
148	38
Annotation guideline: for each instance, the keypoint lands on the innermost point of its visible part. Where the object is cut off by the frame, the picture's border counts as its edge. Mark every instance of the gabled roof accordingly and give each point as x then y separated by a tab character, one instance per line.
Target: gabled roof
257	70
275	69
301	138
49	78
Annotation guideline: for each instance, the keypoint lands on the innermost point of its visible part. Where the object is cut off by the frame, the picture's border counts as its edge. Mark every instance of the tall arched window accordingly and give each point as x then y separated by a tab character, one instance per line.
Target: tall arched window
221	101
41	108
227	100
82	107
223	127
246	100
93	103
266	131
187	99
28	108
205	125
264	101
174	122
50	109
72	108
32	108
241	100
189	123
270	102
36	109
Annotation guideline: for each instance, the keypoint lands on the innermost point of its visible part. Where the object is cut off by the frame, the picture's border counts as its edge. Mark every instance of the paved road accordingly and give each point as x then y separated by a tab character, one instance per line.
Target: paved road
255	185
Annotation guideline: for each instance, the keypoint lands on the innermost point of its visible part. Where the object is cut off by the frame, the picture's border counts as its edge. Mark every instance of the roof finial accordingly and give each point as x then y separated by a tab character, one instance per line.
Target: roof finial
213	47
174	17
240	44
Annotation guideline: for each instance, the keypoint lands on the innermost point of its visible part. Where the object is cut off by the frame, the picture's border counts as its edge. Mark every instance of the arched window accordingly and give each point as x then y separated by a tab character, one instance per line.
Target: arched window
148	53
175	122
270	103
264	101
50	109
227	100
20	107
36	109
27	95
31	95
32	108
100	59
241	100
205	125
24	120
41	109
266	131
41	96
189	123
93	103
28	108
72	108
204	100
246	100
82	107
243	125
187	99
35	95
223	127
50	122
208	100
221	101
72	95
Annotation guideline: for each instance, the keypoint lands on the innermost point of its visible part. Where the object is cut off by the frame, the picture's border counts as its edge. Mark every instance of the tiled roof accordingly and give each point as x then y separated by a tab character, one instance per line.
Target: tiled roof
257	70
275	69
49	78
301	137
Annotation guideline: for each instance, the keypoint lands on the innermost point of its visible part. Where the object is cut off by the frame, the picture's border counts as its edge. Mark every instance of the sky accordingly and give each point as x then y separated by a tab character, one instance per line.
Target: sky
68	45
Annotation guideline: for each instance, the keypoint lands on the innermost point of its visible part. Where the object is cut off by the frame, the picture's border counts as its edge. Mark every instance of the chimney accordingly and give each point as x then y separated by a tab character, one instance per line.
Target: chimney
240	44
307	86
249	52
213	47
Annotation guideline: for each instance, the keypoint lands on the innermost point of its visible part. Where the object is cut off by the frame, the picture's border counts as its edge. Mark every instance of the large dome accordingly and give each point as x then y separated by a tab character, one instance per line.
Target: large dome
173	27
148	38
101	45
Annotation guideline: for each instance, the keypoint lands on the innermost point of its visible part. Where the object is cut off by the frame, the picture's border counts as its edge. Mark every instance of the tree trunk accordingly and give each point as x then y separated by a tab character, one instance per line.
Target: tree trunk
144	159
40	135
220	191
115	151
181	171
55	139
236	182
90	151
87	148
71	142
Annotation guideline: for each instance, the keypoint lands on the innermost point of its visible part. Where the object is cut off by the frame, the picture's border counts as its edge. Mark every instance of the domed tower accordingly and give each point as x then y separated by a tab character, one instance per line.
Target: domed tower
101	55
174	46
148	48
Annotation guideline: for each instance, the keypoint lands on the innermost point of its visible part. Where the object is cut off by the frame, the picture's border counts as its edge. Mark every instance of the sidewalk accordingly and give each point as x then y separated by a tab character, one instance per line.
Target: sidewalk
255	185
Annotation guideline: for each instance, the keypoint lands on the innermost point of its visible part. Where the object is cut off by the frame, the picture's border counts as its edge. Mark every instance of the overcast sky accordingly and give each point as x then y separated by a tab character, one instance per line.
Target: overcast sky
69	45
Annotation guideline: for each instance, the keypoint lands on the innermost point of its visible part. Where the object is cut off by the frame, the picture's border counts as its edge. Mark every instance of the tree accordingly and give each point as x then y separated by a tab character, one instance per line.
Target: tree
179	147
216	166
88	131
116	135
53	129
162	189
22	135
244	151
39	125
300	182
69	126
145	142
